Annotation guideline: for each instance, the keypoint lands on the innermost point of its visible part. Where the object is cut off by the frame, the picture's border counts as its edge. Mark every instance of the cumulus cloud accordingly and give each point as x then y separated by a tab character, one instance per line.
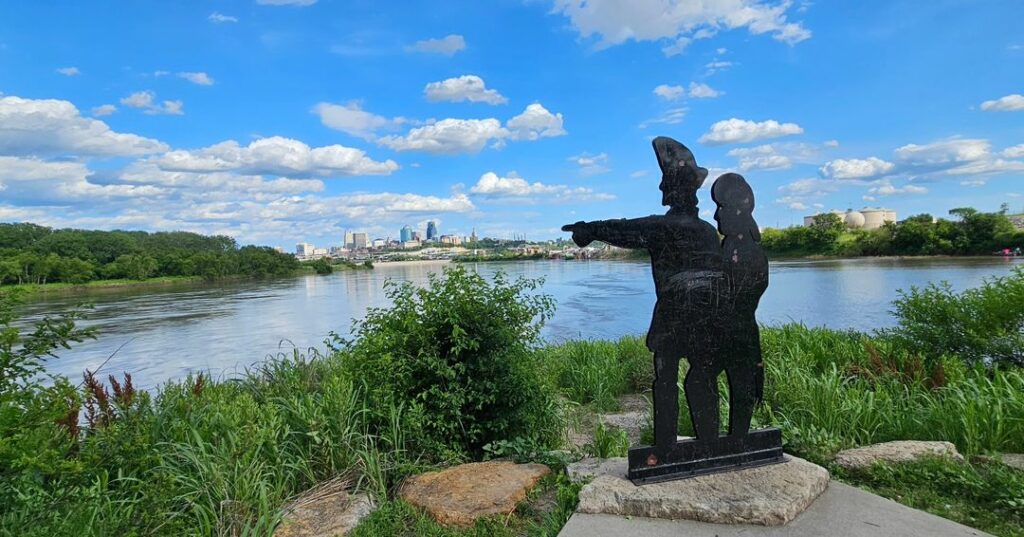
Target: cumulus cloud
145	101
591	164
534	123
670	93
1016	151
44	127
946	151
678	21
449	136
1009	103
886	188
715	66
515	188
220	19
703	91
275	155
731	131
60	181
69	71
447	45
352	119
104	110
464	88
856	168
200	78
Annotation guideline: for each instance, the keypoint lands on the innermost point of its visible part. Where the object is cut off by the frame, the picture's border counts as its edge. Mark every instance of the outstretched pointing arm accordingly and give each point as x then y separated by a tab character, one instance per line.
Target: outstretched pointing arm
625	233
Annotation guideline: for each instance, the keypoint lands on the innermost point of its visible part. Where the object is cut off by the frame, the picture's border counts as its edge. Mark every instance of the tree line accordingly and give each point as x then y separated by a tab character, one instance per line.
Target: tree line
31	253
967	231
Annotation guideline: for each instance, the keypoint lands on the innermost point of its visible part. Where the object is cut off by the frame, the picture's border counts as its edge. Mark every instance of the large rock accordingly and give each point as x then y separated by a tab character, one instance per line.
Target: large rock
767	495
591	467
324	511
461	494
895	452
1013	460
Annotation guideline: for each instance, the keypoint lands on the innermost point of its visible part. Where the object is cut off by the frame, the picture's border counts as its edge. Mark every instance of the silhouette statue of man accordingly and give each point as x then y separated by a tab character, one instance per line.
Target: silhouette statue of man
686	259
746	270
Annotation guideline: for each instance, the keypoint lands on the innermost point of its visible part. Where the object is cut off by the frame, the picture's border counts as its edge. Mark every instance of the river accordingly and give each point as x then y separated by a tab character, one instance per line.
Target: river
166	332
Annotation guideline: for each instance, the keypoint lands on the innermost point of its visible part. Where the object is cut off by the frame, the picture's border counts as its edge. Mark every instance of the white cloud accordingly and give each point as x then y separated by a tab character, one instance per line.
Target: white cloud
639	173
275	155
515	188
1009	103
716	66
448	136
591	164
464	88
43	127
974	183
731	131
352	119
37	180
856	168
535	122
69	71
200	78
676	48
886	188
616	21
447	45
297	3
672	116
144	100
1016	151
775	156
703	91
946	151
811	186
219	19
670	93
104	110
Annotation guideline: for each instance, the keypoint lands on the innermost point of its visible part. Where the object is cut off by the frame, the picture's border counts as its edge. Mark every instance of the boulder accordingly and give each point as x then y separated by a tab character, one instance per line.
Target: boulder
324	511
895	452
461	494
1013	460
591	467
769	495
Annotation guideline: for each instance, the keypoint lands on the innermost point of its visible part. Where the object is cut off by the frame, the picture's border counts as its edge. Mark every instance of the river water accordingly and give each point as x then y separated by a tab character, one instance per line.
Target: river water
166	332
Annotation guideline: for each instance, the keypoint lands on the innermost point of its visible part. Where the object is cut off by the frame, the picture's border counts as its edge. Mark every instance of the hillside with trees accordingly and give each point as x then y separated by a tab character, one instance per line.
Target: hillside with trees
34	254
967	231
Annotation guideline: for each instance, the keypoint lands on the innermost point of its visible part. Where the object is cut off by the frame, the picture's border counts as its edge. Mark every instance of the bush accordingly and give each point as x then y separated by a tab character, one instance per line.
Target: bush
984	324
458	356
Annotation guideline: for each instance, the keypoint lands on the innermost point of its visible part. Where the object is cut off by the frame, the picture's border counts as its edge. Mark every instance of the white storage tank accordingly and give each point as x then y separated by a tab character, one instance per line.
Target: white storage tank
875	218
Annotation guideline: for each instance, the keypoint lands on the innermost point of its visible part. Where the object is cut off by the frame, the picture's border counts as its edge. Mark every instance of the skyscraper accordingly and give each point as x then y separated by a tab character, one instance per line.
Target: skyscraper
359	241
348	240
431	230
406	234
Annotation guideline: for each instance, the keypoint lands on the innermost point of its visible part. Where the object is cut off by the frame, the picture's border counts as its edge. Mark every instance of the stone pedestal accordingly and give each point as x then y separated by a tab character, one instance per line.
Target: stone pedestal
765	495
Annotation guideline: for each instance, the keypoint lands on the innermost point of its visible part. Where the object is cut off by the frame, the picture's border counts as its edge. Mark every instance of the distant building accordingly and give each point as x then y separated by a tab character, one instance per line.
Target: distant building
431	230
411	244
472	237
339	251
417	236
348	240
303	249
866	218
359	241
454	240
379	243
406	234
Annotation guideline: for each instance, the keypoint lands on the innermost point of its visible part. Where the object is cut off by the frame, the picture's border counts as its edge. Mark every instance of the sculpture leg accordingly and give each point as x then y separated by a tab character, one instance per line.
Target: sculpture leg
666	399
702	396
742	397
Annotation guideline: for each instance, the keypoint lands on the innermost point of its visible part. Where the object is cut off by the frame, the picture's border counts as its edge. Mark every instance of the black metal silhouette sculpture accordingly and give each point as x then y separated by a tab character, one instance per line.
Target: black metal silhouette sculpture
708	289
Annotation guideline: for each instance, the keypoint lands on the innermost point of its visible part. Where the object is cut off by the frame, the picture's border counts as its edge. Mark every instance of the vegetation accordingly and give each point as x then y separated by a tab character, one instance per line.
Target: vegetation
969	232
454	371
32	254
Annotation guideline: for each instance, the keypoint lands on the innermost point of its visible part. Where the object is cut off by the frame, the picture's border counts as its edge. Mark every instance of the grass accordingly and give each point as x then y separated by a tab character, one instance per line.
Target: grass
102	284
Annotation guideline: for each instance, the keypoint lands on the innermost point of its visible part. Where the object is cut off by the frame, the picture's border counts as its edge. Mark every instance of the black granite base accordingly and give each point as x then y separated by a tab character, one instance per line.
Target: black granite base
688	458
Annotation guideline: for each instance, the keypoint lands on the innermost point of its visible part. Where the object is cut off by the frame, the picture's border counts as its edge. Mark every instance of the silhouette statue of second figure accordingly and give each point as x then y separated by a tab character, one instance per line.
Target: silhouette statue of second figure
708	289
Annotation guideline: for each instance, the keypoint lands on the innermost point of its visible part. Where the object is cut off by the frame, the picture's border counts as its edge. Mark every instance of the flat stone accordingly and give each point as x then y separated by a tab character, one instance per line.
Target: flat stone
1013	460
769	495
461	494
591	467
840	511
324	511
898	451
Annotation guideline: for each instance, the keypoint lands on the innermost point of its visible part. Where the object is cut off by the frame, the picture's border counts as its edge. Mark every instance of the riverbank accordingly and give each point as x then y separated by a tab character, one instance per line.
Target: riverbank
401	399
163	281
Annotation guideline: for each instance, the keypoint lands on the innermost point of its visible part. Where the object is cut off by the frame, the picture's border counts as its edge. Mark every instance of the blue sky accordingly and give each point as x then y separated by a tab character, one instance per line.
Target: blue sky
276	121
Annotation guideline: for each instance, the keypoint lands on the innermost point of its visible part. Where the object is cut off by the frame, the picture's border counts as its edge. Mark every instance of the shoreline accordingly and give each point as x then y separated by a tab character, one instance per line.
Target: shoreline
411	262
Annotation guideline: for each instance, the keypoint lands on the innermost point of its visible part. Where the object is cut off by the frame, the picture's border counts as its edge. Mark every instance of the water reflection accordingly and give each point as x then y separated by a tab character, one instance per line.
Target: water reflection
224	327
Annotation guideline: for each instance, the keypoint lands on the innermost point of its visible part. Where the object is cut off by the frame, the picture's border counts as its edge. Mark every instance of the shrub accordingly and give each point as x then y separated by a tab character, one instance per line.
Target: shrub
984	324
458	356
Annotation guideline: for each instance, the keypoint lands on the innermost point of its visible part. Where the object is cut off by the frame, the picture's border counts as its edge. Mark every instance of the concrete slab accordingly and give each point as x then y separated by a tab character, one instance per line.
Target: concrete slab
841	511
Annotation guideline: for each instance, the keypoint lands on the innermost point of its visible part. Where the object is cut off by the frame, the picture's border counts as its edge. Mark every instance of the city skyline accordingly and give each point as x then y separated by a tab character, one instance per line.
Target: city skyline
287	121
